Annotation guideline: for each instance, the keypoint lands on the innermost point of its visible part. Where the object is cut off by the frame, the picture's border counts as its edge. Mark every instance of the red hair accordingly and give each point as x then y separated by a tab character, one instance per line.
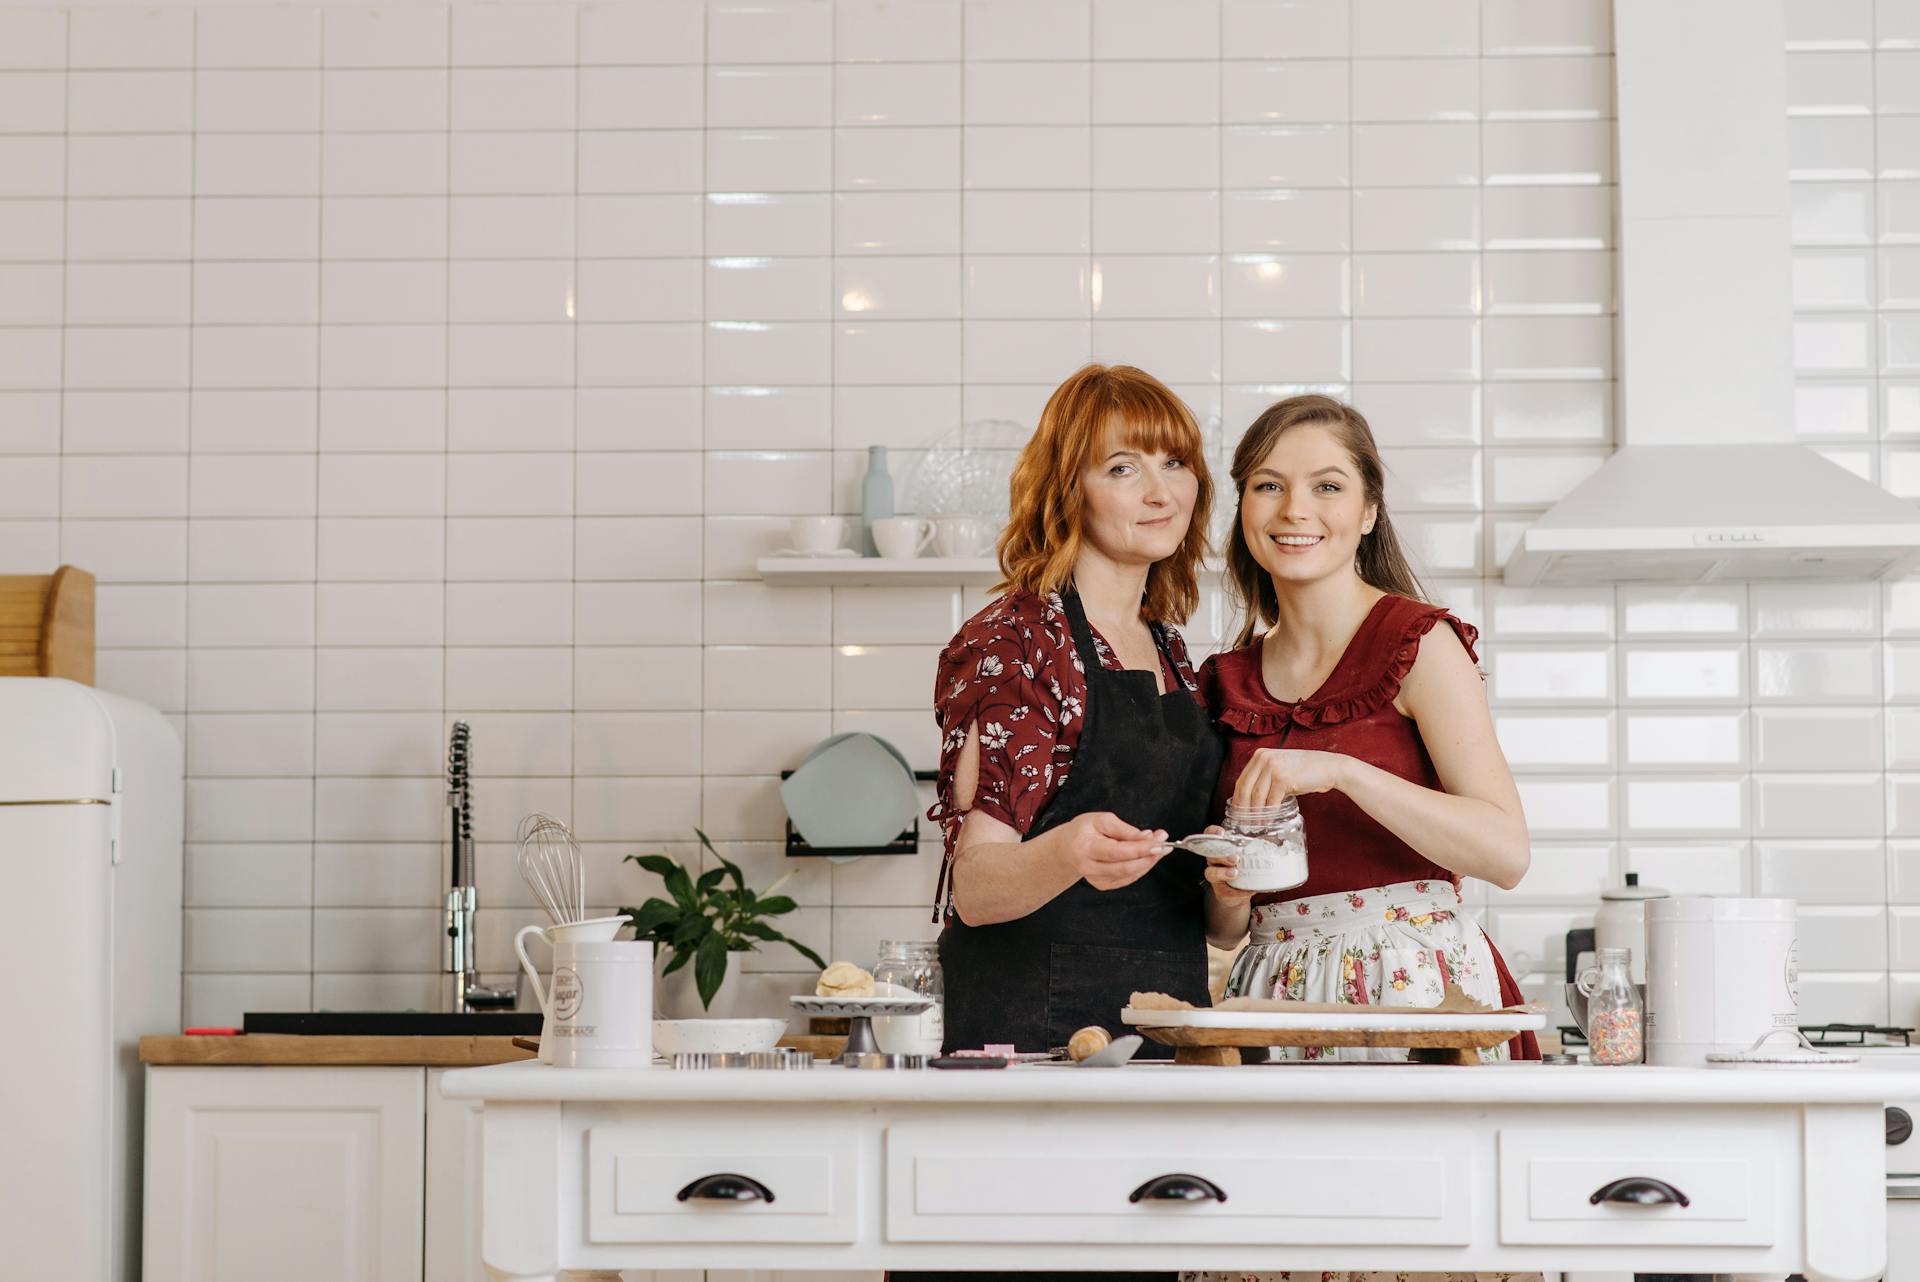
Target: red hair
1041	543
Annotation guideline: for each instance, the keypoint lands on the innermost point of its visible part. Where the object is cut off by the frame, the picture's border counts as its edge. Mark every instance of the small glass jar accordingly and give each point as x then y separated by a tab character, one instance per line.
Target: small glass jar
1279	864
910	967
1615	1026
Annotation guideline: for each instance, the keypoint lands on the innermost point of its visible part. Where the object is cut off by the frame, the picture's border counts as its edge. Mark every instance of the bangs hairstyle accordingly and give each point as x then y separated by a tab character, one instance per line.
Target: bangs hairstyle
1042	540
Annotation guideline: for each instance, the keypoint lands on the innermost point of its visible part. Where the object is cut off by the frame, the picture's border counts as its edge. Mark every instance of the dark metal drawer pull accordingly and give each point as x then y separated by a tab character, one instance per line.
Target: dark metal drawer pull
1640	1190
726	1188
1178	1188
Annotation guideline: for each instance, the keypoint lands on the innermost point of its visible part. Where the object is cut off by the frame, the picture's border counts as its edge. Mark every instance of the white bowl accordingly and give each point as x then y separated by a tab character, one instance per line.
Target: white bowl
688	1036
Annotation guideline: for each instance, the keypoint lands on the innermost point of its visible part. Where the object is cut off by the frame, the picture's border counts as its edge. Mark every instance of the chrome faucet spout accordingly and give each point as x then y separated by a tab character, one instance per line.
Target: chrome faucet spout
460	957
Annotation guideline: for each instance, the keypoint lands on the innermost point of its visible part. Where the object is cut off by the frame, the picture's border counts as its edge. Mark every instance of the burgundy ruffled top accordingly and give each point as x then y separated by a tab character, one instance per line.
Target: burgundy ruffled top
1352	712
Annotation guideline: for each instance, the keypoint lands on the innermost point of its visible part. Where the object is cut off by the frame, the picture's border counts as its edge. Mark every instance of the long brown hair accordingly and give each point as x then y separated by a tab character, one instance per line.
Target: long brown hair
1380	559
1042	540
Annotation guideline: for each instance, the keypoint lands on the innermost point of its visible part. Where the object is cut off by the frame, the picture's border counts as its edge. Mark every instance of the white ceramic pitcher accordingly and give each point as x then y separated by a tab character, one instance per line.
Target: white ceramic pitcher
593	930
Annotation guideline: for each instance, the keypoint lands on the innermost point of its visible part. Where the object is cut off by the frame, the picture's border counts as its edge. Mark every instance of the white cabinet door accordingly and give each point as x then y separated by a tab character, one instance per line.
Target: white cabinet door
453	1186
289	1174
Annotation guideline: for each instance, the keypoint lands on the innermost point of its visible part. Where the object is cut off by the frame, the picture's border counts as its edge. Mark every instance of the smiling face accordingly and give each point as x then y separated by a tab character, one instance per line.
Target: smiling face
1139	501
1303	509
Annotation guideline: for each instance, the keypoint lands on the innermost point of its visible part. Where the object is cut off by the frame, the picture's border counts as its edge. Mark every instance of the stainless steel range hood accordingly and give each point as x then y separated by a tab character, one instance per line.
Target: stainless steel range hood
1708	484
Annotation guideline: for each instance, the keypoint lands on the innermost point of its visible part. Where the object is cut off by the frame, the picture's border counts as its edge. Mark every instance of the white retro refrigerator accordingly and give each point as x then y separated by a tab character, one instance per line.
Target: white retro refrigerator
90	849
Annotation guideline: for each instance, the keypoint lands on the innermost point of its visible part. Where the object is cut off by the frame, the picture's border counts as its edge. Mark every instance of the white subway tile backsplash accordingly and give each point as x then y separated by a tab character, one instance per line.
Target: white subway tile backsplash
1683	612
1690	868
1705	806
379	743
1818	805
504	679
249	744
252	875
768	676
1692	674
378	679
280	680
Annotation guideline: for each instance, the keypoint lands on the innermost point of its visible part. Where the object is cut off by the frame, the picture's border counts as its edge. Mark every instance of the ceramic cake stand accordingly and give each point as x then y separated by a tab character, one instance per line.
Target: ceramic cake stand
860	1010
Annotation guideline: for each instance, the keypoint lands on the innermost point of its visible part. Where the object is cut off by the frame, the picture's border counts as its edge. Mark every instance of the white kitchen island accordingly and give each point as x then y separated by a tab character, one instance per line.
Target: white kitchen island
1160	1167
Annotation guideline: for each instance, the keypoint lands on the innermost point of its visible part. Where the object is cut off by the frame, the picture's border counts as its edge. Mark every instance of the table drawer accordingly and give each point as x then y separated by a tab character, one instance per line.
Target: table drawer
651	1183
1730	1177
1053	1182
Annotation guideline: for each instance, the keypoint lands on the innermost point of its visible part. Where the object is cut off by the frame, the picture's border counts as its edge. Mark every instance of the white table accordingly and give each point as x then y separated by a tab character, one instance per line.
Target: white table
1323	1167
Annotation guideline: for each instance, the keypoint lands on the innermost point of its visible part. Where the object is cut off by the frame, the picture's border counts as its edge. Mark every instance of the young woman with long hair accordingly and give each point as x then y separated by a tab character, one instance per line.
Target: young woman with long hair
1345	692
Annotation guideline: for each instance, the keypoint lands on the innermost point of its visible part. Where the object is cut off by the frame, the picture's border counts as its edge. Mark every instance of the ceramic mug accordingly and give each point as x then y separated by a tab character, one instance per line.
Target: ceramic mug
817	533
593	930
955	535
901	537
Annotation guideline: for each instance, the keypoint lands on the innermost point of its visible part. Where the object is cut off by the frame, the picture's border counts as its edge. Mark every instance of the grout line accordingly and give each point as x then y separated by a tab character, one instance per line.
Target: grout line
319	324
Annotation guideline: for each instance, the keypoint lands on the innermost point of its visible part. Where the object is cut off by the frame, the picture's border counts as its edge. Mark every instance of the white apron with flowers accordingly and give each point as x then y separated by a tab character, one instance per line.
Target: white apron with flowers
1392	945
1395	945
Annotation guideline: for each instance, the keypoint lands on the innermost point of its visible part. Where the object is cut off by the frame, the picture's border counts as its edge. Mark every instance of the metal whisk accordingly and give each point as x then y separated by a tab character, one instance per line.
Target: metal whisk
550	862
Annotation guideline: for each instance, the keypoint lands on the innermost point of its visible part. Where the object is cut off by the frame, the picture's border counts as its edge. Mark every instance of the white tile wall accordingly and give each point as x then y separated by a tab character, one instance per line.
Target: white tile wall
402	363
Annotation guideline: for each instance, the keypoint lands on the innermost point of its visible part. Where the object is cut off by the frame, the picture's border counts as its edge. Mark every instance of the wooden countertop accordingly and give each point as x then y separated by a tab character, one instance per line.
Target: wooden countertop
296	1049
287	1049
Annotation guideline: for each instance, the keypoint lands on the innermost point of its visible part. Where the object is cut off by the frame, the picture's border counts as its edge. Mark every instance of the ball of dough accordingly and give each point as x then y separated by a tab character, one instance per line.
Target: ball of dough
844	979
1088	1041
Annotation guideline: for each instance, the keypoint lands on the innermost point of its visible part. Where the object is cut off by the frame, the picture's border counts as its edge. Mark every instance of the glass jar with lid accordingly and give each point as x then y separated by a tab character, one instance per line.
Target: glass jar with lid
910	967
1615	1028
1277	858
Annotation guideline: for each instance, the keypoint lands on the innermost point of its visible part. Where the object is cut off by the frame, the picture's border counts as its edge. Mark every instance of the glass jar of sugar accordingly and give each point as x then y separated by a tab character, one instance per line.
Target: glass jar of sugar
1277	857
910	967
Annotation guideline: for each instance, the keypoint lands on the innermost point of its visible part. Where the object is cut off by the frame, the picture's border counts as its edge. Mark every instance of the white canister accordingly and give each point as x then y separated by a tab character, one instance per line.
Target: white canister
1621	922
600	1008
1721	972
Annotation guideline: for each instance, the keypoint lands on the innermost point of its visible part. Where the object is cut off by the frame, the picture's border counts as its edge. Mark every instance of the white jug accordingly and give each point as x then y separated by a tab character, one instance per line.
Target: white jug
1721	972
592	931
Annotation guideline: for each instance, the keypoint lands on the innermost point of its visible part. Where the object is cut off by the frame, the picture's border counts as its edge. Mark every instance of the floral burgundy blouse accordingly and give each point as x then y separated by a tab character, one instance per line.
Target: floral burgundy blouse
1013	669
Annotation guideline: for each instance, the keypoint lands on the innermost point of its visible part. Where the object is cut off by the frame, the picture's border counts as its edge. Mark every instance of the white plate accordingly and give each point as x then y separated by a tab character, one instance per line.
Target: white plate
849	1007
1399	1019
814	556
854	793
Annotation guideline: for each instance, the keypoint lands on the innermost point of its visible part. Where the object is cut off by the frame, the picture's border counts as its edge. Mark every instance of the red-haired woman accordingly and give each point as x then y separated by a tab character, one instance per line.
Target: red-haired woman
1345	692
1076	742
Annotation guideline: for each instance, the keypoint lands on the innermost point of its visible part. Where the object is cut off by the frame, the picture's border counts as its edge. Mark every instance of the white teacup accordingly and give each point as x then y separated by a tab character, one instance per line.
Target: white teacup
956	535
593	930
902	536
817	533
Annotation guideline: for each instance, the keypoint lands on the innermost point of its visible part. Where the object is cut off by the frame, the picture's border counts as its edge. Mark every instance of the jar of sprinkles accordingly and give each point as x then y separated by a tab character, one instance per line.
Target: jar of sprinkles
1615	1023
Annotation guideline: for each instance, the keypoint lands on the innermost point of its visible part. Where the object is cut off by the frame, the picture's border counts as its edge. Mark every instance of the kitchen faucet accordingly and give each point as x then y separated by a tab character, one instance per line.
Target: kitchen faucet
465	992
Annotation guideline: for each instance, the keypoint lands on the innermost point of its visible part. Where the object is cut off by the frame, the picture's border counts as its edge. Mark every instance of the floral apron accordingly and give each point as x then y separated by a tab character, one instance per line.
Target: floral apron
1395	945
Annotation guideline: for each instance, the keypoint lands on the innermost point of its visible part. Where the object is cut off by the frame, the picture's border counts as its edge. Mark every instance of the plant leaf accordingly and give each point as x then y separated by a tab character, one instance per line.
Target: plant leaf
658	865
710	968
652	917
690	930
709	879
761	930
680	958
807	953
680	886
777	904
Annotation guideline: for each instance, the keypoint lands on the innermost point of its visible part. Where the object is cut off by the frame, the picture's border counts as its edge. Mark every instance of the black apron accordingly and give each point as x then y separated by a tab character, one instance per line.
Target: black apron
1152	759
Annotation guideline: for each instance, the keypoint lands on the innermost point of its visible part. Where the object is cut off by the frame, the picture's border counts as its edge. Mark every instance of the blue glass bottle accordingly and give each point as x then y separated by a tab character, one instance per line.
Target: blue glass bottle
876	497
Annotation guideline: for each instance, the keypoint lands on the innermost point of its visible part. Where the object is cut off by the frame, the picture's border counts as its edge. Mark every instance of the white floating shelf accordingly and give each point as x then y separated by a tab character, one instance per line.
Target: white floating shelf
876	571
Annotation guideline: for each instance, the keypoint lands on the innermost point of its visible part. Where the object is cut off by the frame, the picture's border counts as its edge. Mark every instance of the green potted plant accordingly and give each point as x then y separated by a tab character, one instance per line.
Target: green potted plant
706	923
